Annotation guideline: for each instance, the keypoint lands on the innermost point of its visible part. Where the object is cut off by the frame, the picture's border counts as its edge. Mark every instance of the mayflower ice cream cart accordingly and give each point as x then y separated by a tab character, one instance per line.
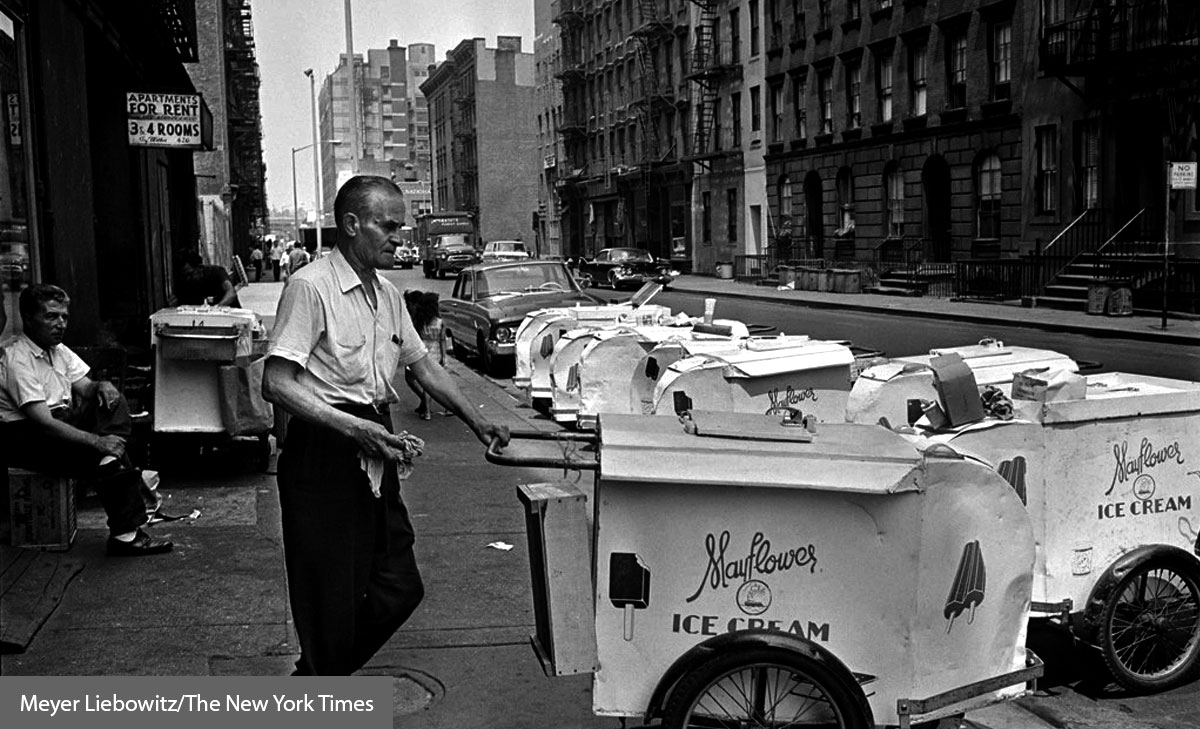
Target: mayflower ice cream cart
1112	483
740	570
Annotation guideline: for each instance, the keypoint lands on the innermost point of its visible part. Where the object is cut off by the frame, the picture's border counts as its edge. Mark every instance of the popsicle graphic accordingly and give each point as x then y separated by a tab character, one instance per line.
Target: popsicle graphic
628	585
547	347
1013	471
970	582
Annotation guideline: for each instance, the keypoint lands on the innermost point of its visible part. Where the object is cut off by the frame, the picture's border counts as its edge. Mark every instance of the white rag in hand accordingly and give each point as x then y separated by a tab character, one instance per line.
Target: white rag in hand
411	446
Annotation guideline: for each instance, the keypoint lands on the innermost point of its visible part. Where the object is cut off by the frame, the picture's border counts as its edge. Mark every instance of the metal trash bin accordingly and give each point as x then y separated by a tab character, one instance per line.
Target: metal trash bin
1097	297
1120	299
824	277
724	270
787	276
847	280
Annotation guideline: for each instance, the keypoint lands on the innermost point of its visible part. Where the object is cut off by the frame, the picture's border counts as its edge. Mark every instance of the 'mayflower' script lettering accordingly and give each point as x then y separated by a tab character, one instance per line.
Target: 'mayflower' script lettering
760	560
1147	457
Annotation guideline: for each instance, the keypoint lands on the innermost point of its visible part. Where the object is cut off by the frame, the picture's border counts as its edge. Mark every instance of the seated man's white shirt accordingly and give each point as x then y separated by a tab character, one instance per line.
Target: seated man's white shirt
30	374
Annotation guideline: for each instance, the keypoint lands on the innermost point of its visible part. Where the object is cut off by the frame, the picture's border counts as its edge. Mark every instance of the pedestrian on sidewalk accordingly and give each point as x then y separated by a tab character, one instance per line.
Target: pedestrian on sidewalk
256	262
276	258
55	420
341	335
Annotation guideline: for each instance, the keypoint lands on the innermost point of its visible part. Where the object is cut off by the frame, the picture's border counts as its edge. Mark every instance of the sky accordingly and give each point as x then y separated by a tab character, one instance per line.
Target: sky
292	35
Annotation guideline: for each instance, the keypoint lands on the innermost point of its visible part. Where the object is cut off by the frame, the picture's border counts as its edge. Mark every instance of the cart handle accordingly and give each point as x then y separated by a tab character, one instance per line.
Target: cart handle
494	455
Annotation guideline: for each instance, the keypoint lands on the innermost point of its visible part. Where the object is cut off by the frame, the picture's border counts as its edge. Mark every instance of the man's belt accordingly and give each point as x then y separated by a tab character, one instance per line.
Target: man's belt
372	411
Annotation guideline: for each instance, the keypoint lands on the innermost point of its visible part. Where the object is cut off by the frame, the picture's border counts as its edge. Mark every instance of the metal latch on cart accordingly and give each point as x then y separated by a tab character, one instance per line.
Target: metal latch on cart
793	426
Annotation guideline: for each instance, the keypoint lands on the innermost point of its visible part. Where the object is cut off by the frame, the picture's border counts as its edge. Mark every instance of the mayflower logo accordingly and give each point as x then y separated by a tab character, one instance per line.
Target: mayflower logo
760	559
1148	456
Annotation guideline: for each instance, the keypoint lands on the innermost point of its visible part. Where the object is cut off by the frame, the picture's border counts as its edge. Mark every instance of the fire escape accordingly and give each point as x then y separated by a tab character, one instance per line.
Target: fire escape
654	94
246	171
466	169
572	126
1130	59
710	64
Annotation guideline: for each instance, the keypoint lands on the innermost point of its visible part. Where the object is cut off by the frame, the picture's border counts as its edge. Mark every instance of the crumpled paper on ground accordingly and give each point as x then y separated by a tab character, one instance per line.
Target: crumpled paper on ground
411	446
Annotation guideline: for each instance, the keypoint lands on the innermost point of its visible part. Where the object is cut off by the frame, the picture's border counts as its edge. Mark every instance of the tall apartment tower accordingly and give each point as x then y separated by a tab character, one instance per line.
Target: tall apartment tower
394	133
483	118
547	62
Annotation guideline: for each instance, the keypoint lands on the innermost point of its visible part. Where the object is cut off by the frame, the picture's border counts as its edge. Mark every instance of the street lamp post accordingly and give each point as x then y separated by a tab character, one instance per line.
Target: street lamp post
318	192
295	205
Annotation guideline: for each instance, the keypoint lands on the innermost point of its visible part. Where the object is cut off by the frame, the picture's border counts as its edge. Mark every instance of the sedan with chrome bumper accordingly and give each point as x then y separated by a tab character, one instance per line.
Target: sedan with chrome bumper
625	268
490	301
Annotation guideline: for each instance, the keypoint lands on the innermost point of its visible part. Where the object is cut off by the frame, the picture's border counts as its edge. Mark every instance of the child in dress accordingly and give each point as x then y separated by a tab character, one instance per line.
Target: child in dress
423	310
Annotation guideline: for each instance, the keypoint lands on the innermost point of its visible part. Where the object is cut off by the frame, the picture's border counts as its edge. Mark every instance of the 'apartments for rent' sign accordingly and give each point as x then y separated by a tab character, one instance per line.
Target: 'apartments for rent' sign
164	120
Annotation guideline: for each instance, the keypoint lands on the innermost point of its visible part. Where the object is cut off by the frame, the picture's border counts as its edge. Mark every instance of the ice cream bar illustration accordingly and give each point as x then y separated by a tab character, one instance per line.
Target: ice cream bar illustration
970	582
547	347
628	585
1014	472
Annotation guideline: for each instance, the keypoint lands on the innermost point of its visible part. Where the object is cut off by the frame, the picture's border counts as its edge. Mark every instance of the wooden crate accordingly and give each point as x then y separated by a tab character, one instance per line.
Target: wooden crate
41	510
560	563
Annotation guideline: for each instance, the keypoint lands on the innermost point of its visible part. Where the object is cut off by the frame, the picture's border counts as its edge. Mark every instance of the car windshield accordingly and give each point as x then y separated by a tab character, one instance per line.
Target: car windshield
631	255
518	279
507	246
454	241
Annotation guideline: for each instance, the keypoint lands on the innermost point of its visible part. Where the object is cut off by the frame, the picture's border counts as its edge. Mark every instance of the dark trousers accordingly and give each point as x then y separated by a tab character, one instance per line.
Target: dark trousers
276	267
118	486
257	265
352	575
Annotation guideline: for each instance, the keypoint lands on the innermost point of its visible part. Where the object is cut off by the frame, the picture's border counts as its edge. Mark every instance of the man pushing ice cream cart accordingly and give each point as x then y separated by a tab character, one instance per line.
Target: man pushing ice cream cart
738	569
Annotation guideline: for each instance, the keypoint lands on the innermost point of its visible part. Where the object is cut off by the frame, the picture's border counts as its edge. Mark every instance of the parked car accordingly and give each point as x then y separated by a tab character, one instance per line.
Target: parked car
625	268
450	253
406	256
490	300
505	250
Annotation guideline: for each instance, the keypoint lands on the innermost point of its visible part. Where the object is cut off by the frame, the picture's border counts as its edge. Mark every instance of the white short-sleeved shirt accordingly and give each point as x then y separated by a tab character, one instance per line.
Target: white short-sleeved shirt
31	374
349	350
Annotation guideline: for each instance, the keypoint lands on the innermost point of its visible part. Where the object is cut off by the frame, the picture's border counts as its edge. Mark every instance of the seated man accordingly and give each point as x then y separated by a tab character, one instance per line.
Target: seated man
55	420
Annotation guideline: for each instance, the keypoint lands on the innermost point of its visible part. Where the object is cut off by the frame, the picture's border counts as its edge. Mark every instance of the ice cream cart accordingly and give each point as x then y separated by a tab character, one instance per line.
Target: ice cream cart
1112	484
592	369
812	376
734	569
190	344
884	390
540	330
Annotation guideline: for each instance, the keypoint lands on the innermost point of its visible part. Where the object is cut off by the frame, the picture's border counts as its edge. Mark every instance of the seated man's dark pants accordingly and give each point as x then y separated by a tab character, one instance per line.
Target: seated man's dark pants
118	485
352	575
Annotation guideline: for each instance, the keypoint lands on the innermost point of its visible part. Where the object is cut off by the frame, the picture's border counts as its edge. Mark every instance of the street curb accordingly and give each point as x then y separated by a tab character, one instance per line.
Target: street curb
850	304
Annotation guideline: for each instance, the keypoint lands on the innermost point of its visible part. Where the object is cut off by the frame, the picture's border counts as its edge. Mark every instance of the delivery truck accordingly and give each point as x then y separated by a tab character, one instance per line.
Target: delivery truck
448	241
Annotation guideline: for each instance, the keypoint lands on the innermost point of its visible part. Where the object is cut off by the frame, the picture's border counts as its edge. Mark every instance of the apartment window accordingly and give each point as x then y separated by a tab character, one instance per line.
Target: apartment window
854	95
883	79
716	46
893	185
731	214
755	108
716	125
1054	34
776	112
799	26
988	185
1046	180
1002	60
735	111
883	4
853	10
825	99
785	205
917	80
824	15
799	106
706	216
956	70
1087	143
754	29
735	35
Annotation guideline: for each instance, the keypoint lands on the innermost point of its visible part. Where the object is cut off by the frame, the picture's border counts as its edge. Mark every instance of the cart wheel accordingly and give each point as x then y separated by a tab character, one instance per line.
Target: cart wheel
766	687
1150	629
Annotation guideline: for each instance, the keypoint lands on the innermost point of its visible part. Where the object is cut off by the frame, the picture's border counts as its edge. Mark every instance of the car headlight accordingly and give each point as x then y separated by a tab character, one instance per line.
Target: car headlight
504	334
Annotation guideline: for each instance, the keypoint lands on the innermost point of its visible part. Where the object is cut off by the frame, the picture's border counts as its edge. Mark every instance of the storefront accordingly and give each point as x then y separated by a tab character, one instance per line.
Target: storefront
18	232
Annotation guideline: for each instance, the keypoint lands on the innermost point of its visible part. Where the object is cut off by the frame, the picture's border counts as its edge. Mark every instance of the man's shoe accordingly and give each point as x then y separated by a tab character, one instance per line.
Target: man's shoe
142	544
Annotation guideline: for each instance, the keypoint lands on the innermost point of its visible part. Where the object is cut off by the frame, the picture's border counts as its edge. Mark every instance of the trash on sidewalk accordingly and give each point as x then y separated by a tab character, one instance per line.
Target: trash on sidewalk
502	546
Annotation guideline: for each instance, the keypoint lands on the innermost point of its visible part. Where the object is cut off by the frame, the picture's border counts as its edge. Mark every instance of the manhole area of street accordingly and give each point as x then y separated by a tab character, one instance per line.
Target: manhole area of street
412	690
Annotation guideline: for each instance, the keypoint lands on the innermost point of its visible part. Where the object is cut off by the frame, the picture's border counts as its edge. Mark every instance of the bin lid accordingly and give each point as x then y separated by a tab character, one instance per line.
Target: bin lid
1119	395
991	363
655	449
803	356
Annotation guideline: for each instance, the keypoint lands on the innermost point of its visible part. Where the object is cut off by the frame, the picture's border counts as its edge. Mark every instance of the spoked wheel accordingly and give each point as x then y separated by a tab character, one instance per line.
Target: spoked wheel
766	687
1150	634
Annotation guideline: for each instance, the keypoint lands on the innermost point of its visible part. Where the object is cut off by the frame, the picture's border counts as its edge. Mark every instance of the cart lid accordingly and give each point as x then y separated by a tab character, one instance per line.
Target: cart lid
655	449
802	356
1119	395
991	364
